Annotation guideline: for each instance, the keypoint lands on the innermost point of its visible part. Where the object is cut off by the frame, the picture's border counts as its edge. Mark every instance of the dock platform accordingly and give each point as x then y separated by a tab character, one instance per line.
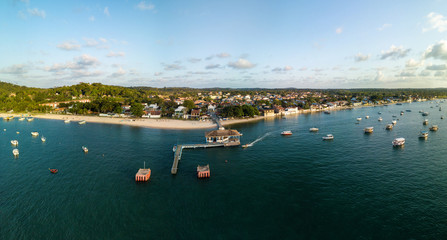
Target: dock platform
178	149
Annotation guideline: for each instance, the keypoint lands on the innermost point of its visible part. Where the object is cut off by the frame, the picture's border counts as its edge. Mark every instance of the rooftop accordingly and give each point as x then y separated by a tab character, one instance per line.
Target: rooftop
226	132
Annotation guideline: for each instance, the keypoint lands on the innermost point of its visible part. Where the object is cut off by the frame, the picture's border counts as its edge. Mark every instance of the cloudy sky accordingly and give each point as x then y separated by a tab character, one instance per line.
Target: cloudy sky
271	44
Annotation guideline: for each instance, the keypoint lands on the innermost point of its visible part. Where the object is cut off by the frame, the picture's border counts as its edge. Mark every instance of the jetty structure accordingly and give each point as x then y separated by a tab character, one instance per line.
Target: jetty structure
203	171
217	138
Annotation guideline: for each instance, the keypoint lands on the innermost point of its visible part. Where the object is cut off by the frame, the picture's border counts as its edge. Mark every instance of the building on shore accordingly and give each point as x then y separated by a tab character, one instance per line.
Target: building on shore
229	137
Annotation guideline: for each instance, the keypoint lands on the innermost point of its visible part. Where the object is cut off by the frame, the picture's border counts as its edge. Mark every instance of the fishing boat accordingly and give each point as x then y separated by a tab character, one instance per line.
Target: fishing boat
43	139
389	126
67	121
15	152
380	119
82	122
85	149
399	142
425	122
14	142
30	119
314	129
286	133
53	170
328	137
369	129
423	134
434	128
34	134
359	119
21	119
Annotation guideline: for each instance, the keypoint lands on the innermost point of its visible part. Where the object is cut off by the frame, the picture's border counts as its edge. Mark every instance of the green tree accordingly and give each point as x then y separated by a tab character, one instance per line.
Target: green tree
189	104
136	109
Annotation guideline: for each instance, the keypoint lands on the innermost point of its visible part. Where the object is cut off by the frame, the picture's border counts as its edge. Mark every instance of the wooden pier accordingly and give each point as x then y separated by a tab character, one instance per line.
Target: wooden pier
178	149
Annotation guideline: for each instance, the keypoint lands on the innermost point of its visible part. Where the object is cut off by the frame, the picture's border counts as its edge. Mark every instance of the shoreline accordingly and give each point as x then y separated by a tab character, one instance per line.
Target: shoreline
170	124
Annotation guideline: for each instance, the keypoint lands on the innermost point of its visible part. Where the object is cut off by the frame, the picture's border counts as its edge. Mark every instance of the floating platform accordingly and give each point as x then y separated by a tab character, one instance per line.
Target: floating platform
143	175
203	171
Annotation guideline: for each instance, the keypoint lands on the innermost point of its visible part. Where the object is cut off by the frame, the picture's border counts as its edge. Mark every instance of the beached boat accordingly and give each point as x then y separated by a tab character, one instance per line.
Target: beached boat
30	119
67	121
389	126
14	142
423	134
328	137
53	170
82	122
21	119
286	133
434	128
85	149
314	129
15	152
8	118
34	134
425	114
425	122
43	139
380	119
399	142
369	129
359	119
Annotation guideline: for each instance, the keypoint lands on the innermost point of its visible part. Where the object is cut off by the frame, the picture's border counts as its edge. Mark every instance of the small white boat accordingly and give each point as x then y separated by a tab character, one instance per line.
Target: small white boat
425	114
67	121
247	145
314	129
423	134
286	133
30	119
425	122
359	119
21	119
328	137
85	149
34	134
15	152
14	142
394	122
366	117
380	119
82	122
18	132
43	139
369	129
398	142
379	112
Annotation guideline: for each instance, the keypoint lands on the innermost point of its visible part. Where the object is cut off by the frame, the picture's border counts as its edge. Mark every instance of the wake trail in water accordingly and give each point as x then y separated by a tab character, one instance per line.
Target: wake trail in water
259	139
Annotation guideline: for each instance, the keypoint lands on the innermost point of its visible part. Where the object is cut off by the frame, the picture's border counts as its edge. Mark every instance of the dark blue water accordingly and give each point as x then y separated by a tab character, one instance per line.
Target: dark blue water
298	187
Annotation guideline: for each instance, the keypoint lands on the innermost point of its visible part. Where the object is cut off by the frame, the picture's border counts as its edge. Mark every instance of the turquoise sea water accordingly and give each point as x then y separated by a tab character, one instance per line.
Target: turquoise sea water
298	187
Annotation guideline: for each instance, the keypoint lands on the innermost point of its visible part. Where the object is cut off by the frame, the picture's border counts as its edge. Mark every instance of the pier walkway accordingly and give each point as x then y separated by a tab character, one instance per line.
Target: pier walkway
217	121
178	149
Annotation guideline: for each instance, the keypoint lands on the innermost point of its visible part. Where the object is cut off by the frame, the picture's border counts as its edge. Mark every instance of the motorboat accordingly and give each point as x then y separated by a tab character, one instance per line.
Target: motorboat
366	117
394	122
328	137
389	126
442	117
14	142
425	122
53	170
15	152
34	134
67	121
434	128
314	129
247	145
21	119
423	134
379	112
369	129
82	122
359	119
286	133
425	114
85	149
380	119
408	110
18	132
30	119
398	142
43	139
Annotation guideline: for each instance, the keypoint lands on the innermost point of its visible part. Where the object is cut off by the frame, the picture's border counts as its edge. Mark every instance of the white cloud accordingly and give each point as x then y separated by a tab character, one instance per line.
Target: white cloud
386	25
103	40
69	46
89	42
437	51
145	6
241	64
284	69
303	69
82	62
436	22
339	30
439	73
91	18
360	57
172	67
394	53
406	73
16	69
194	60
158	74
120	72
437	67
106	11
223	55
85	73
379	76
36	12
212	66
116	54
413	63
424	73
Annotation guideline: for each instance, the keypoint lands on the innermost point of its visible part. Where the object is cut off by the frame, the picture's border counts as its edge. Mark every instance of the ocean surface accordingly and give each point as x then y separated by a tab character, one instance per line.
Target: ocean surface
296	187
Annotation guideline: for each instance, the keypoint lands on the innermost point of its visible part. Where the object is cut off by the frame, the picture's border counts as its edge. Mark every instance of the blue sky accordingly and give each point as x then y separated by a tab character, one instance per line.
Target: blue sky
237	44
